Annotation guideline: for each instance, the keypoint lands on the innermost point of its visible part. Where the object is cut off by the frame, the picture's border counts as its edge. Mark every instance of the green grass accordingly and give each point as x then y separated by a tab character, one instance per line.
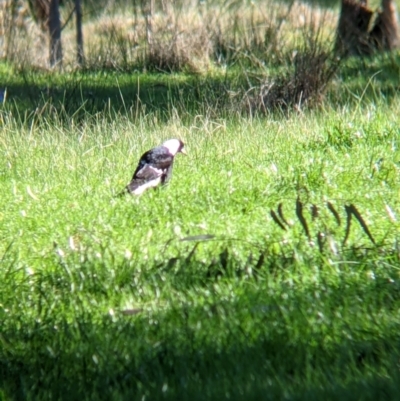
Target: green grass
254	312
193	291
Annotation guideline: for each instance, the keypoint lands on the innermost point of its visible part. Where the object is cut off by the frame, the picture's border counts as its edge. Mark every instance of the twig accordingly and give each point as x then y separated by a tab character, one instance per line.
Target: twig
68	18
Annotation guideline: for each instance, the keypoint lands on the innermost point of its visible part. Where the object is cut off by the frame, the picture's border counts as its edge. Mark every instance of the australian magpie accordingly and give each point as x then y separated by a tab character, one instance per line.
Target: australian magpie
155	167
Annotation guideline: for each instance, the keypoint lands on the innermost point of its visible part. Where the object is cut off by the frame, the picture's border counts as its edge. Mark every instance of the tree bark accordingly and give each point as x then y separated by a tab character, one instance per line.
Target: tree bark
352	32
385	34
56	55
356	35
80	57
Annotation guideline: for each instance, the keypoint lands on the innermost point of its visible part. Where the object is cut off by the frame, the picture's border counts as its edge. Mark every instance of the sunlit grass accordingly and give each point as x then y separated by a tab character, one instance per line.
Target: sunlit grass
62	179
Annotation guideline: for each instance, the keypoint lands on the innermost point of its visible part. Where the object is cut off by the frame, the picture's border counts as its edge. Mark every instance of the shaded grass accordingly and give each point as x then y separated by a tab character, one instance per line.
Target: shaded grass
32	95
330	337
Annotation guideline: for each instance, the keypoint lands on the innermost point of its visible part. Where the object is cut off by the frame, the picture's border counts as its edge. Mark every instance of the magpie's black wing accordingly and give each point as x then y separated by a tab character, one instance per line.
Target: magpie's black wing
158	158
146	177
154	168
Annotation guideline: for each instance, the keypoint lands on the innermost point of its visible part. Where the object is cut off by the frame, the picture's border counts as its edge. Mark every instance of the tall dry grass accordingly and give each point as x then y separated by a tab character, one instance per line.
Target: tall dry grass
167	36
284	52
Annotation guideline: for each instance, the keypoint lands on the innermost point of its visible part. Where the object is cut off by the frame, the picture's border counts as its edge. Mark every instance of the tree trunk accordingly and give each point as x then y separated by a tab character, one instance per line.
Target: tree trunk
352	32
55	34
148	13
356	35
79	35
8	23
385	32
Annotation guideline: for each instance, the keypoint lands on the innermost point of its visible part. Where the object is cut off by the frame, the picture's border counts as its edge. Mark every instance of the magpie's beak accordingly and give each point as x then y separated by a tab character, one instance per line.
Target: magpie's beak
183	151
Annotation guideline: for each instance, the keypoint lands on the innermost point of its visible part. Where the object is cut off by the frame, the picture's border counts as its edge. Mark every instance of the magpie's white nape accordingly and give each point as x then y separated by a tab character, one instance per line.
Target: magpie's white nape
174	146
155	167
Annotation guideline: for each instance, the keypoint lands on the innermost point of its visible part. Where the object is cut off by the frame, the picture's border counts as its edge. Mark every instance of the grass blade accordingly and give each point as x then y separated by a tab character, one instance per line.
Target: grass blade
300	216
390	213
204	237
362	222
130	312
348	224
276	220
191	253
334	212
280	213
314	211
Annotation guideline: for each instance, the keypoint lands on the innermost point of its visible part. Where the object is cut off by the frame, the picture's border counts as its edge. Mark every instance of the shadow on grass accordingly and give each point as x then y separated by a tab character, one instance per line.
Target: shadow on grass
373	78
266	370
31	95
82	95
325	341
